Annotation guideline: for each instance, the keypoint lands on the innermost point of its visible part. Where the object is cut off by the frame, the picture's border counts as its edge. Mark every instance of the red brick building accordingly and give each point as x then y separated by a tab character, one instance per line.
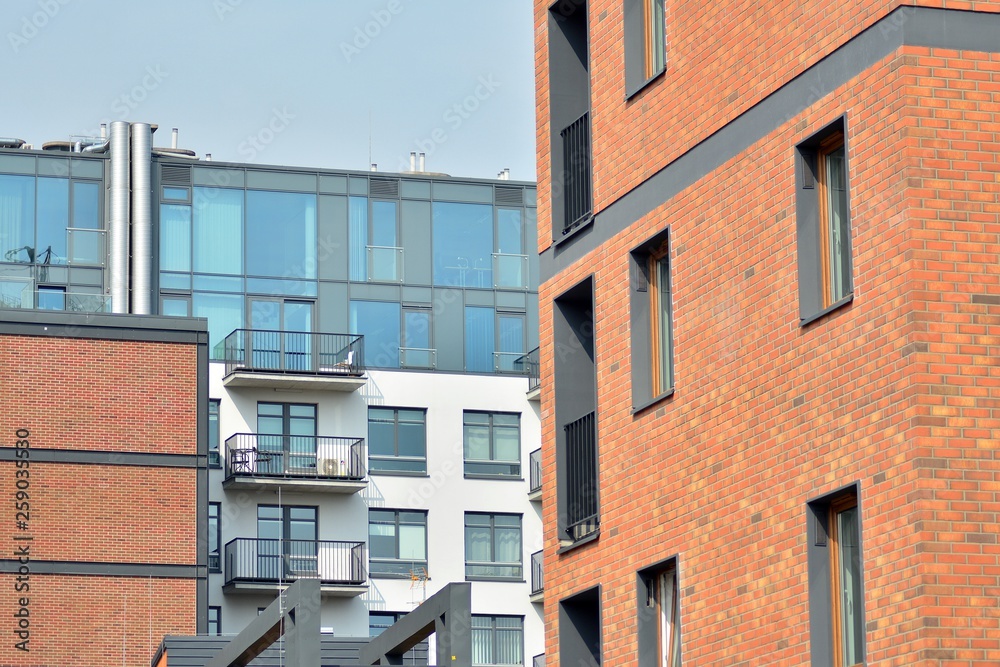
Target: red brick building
770	318
104	465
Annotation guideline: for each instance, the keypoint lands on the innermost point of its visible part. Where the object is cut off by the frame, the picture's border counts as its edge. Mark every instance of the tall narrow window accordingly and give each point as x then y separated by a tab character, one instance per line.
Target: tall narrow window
845	568
823	236
214	460
645	43
214	537
659	627
215	621
662	335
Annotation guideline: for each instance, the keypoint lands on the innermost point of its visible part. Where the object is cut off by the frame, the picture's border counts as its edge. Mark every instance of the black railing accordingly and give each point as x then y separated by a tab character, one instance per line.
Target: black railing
528	364
271	561
538	660
576	162
582	518
535	471
294	352
295	457
537	578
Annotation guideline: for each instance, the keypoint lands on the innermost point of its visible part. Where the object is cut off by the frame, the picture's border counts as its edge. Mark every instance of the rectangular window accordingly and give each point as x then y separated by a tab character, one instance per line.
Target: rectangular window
497	640
417	350
290	254
836	591
380	621
52	298
215	621
286	438
379	323
492	443
214	460
645	43
492	546
287	542
397	440
217	236
823	223
462	244
175	237
214	537
652	319
397	540
659	627
480	339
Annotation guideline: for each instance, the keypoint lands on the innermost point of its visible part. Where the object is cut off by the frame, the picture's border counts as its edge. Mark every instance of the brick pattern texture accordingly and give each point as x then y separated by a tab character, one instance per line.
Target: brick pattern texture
899	391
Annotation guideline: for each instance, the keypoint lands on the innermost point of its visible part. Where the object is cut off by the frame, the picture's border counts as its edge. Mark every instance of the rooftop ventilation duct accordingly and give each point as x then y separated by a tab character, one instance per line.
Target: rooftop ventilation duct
118	219
10	142
142	219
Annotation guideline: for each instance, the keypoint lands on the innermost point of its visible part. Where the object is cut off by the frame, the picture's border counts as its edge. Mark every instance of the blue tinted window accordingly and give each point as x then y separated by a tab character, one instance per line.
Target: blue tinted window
175	238
17	219
51	298
463	244
174	307
177	194
378	322
86	206
417	340
479	337
218	230
510	342
53	218
224	313
281	234
358	237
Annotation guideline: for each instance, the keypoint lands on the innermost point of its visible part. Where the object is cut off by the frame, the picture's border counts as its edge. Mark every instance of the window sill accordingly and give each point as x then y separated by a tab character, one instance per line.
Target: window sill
579	543
396	473
508	580
499	478
650	403
630	95
804	322
564	238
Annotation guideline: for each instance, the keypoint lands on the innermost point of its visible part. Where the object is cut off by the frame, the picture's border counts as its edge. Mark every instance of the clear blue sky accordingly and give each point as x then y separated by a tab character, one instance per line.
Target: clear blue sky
291	82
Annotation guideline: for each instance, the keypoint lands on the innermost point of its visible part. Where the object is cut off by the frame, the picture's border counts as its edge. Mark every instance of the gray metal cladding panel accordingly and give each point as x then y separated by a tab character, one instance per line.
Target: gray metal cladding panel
280	180
222	178
49	166
416	237
478	297
516	300
375	292
333	238
414	295
333	307
87	168
17	164
449	329
335	185
532	314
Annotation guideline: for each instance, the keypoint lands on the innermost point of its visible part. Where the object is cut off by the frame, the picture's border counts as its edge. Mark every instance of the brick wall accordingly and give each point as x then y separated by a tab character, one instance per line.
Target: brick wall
897	391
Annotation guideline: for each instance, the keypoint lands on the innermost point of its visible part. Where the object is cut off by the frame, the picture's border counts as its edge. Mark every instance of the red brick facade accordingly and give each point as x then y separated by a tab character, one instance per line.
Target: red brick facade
898	391
102	514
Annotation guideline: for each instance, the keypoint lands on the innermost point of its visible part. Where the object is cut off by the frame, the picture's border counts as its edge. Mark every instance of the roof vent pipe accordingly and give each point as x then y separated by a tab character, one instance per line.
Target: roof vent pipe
173	138
421	162
142	219
118	219
374	167
10	142
413	160
208	157
104	130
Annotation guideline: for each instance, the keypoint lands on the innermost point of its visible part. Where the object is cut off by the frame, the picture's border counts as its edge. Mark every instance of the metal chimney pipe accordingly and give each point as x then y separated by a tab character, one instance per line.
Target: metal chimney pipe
374	167
142	219
208	157
413	160
173	138
422	162
104	130
118	218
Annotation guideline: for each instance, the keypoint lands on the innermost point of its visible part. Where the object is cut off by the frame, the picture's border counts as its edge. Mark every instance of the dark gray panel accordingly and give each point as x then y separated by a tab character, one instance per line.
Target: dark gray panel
333	238
417	294
150	460
51	166
358	186
336	185
516	300
580	629
640	326
218	177
959	30
107	569
478	297
87	167
375	292
531	308
416	239
449	329
148	328
333	307
79	276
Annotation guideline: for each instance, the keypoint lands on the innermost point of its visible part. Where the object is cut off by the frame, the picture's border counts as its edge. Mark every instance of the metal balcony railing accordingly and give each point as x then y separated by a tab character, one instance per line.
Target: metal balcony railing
295	457
535	471
294	352
271	561
510	271
576	162
537	578
508	362
582	512
529	364
385	264
417	357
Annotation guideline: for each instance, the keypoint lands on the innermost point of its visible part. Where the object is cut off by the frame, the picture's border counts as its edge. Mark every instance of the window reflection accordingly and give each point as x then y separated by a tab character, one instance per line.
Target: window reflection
463	244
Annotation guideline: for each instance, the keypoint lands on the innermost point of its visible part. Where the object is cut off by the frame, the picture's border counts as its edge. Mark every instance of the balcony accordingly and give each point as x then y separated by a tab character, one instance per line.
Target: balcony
582	512
295	463
535	475
294	360
510	271
385	264
537	580
256	566
529	364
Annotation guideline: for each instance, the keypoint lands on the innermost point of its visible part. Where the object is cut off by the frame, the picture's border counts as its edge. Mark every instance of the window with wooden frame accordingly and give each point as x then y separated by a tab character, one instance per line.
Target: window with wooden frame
645	43
836	589
651	322
845	585
662	331
659	627
823	223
